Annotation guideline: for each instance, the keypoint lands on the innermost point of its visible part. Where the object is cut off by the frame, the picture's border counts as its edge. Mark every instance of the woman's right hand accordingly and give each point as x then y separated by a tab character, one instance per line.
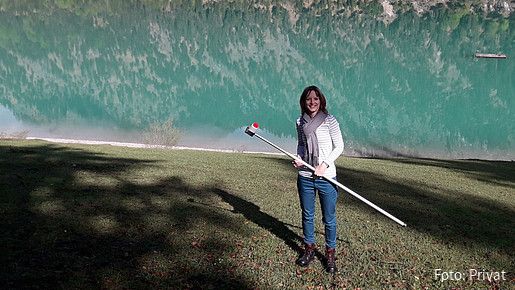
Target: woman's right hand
297	163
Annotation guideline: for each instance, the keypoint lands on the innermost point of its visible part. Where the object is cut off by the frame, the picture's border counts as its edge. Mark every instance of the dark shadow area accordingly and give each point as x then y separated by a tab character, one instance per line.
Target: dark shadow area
484	170
452	216
59	232
496	172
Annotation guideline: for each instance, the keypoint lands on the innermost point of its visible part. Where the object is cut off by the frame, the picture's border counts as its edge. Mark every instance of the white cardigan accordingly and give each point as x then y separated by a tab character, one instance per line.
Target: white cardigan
330	145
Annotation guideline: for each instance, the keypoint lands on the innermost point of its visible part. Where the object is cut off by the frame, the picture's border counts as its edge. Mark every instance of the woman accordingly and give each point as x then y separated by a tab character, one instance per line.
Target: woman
320	143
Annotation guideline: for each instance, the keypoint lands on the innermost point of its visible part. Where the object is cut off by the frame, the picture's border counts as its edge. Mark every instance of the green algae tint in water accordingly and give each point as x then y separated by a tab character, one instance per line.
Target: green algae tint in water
400	84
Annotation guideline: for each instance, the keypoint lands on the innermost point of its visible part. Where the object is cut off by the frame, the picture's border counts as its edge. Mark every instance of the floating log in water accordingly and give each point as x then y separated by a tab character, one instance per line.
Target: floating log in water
490	55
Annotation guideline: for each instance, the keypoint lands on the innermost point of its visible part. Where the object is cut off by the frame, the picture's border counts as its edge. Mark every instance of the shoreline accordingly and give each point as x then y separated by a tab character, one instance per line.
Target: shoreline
141	145
347	154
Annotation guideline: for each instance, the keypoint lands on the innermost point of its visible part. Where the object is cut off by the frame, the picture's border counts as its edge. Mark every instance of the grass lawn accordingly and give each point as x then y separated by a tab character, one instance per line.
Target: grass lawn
84	216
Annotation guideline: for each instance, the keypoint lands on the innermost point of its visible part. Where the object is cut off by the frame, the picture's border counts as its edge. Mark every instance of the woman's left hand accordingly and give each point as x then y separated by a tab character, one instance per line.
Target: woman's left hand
320	169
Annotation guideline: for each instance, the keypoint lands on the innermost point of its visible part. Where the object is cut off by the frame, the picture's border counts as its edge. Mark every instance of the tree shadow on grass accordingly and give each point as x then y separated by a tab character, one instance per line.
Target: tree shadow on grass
73	218
450	215
494	172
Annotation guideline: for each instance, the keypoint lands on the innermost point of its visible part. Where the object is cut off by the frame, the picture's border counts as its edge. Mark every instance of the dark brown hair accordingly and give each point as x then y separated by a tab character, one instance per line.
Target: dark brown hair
319	94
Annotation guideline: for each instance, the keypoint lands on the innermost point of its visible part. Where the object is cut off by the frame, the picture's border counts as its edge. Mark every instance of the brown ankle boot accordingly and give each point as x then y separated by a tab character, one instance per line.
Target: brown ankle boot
307	256
330	256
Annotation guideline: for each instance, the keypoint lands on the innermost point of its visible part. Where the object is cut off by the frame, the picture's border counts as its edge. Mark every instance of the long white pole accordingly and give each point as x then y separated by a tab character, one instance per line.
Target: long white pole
335	182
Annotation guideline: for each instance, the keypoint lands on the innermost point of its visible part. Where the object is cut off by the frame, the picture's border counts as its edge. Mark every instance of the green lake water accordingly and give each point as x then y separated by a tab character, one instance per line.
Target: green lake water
402	84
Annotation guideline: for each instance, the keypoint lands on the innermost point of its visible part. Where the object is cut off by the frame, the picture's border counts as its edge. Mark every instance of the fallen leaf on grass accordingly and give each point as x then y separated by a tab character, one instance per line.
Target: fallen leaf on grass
298	273
195	244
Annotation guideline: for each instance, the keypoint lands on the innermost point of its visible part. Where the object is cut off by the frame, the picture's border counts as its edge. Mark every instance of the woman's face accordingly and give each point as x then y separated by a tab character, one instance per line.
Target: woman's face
312	103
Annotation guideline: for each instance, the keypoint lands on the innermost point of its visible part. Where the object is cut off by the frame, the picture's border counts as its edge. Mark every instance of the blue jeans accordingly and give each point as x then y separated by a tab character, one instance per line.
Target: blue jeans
328	194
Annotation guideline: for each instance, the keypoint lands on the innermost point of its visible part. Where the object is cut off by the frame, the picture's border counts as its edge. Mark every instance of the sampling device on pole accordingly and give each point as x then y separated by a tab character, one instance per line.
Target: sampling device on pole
251	131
